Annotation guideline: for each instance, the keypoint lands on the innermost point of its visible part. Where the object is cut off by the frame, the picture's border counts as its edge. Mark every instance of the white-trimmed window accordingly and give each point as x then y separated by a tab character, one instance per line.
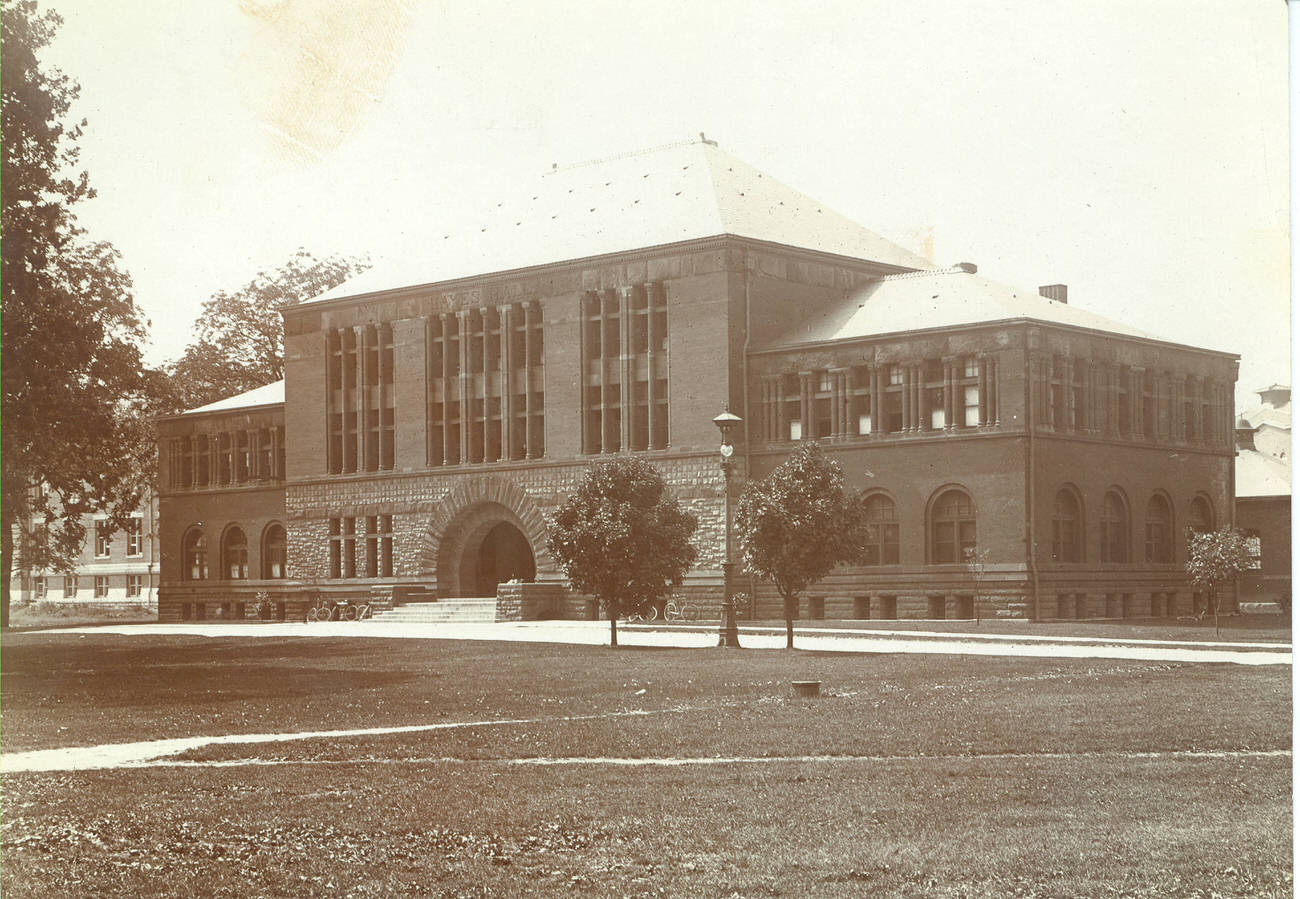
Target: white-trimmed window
69	586
39	587
101	586
134	586
103	541
135	537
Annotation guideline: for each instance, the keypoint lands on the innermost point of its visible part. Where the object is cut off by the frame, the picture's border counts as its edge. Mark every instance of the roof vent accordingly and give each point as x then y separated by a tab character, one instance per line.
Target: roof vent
1054	292
969	267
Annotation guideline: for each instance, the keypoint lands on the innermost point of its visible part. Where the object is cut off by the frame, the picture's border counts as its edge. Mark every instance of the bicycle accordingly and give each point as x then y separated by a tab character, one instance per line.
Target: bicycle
650	614
321	610
360	612
681	609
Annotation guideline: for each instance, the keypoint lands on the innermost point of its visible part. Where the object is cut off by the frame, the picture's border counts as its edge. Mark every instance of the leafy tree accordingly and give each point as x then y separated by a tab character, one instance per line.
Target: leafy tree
239	341
1216	557
797	524
71	333
623	538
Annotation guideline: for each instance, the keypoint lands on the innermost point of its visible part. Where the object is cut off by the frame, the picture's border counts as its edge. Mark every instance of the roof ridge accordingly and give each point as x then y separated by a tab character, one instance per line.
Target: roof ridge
600	160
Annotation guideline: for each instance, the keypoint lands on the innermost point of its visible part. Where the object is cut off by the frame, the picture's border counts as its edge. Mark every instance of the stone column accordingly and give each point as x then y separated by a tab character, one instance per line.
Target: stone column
837	402
949	392
531	449
876	377
506	369
463	382
625	386
1137	384
651	357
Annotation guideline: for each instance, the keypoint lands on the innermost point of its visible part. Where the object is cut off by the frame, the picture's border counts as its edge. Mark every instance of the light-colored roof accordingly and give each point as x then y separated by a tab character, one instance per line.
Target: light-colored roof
1259	474
266	395
661	196
1267	414
939	299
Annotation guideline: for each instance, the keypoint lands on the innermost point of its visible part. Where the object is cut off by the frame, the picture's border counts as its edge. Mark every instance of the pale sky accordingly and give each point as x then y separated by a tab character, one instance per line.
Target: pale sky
1137	152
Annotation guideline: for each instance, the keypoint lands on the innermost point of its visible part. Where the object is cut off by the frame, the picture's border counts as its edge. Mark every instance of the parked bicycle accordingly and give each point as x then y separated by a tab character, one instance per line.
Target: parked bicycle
679	608
340	610
650	614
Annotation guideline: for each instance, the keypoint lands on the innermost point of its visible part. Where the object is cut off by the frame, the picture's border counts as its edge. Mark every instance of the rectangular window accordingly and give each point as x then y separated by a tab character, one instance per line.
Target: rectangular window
185	466
202	461
135	537
336	547
101	586
103	542
39	587
352	553
242	451
134	586
360	403
971	406
265	460
349	547
1256	549
69	586
623	336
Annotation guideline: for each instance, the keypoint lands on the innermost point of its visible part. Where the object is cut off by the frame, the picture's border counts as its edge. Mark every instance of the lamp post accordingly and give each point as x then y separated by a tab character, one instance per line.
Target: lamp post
727	632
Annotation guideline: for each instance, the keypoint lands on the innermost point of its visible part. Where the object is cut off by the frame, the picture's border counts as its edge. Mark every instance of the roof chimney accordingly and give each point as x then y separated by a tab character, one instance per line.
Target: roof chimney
1054	292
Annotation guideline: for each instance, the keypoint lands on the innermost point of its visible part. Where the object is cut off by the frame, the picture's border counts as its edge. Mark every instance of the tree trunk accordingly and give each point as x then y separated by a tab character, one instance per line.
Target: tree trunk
789	621
6	561
613	626
1214	603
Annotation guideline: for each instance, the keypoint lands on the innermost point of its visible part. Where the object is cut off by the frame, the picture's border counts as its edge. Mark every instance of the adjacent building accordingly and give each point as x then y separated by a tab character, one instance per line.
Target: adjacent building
115	567
1022	457
1263	474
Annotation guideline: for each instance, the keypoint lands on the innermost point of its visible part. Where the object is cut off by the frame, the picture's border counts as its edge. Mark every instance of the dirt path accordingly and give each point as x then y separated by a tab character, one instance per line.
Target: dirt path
596	633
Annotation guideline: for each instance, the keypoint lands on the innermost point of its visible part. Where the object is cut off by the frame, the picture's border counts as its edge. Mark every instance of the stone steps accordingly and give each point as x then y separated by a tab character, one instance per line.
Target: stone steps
443	611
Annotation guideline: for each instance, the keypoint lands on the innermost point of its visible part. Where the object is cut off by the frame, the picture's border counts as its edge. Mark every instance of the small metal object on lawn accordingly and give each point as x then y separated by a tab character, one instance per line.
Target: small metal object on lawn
806	687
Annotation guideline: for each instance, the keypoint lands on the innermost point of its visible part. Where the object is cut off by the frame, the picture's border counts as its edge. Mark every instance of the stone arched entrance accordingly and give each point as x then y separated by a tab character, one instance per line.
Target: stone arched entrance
492	550
483	533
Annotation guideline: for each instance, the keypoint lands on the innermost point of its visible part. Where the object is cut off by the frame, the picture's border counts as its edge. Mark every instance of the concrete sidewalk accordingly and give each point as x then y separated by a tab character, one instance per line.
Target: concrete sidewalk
699	636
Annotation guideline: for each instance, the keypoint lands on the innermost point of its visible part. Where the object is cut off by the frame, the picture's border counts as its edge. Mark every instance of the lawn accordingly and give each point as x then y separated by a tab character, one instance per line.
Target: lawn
915	776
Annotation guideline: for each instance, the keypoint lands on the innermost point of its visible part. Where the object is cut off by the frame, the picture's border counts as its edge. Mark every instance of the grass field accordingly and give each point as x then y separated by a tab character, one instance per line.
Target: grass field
915	776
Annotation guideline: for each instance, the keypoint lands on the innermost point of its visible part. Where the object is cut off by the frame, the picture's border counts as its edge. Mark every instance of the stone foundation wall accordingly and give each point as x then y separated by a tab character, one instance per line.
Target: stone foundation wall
414	499
531	602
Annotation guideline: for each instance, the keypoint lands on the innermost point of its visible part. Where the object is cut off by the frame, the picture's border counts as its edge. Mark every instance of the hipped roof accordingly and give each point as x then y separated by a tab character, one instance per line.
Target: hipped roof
652	198
939	299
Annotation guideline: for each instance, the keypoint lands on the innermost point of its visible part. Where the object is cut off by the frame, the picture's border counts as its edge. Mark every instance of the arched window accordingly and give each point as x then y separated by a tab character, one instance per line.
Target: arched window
1114	528
273	551
1201	517
1159	531
1067	531
882	531
194	556
234	554
952	528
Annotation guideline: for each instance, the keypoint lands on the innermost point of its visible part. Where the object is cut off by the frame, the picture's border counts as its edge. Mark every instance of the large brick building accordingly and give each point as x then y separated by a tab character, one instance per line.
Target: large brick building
436	410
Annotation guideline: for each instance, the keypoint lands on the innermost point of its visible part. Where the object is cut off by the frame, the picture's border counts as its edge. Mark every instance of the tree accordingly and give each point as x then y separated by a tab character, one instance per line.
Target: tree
623	538
71	333
797	524
239	341
1216	557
